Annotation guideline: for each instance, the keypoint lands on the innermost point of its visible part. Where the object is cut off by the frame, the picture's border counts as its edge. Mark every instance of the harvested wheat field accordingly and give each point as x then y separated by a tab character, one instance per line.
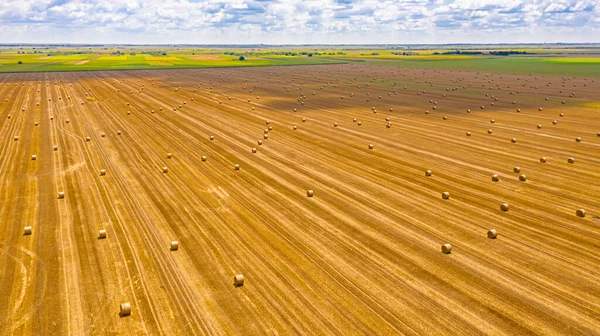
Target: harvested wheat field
225	201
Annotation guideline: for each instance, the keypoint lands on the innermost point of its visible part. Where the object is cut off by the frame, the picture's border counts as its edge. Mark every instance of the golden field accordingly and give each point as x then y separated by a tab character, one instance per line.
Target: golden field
362	256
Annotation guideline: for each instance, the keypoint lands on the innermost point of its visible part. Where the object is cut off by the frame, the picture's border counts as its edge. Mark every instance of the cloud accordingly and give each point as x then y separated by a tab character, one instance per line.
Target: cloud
297	21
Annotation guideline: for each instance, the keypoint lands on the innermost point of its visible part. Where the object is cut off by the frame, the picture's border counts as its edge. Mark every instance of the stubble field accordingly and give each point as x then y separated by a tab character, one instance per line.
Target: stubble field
362	256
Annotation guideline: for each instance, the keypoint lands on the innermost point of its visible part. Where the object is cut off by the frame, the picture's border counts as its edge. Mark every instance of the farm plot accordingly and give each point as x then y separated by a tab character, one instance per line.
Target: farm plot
340	199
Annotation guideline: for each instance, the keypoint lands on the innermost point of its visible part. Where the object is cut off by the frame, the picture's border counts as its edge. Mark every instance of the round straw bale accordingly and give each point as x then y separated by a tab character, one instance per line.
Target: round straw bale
446	248
236	167
165	169
253	150
580	213
517	169
294	127
571	160
27	231
354	119
518	110
174	245
203	158
492	234
87	139
578	139
428	173
444	117
265	136
212	137
36	123
101	234
102	172
61	194
67	121
513	140
238	280
389	124
103	135
523	178
539	126
303	119
561	115
169	155
468	133
489	131
359	123
495	178
543	159
310	193
446	195
554	122
504	206
125	309
492	121
55	148
118	132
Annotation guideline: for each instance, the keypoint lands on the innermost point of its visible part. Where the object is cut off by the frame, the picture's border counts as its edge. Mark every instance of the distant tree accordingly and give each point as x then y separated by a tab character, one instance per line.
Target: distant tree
309	55
242	58
132	54
20	62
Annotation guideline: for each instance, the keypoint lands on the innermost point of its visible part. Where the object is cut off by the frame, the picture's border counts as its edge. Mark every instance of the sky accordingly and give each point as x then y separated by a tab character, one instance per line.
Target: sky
298	21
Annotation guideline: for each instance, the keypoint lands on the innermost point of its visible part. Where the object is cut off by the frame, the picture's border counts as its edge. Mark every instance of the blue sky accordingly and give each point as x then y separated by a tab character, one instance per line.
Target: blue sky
298	22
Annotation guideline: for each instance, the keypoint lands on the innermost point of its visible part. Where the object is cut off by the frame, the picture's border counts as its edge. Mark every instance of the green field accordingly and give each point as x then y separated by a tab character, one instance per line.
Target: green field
568	61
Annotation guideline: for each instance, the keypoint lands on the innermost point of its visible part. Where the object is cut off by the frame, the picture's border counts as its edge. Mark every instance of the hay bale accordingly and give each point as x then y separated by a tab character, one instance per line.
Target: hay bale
446	249
125	309
489	131
446	195
102	172
253	150
444	117
578	139
27	231
101	234
371	146
174	245
468	133
103	135
495	178
61	194
513	140
294	127
492	121
517	169
389	124
165	169
265	136
428	173
88	139
303	119
492	234
212	137
203	158
523	178
518	110
359	123
310	193
543	159
554	122
169	155
67	121
267	121
504	206
55	148
540	109
238	280
236	167
36	123
354	119
580	213
539	126
260	142
571	160
118	132
561	115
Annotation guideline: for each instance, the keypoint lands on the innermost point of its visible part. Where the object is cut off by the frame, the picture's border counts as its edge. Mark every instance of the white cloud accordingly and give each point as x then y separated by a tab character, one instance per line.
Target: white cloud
298	21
